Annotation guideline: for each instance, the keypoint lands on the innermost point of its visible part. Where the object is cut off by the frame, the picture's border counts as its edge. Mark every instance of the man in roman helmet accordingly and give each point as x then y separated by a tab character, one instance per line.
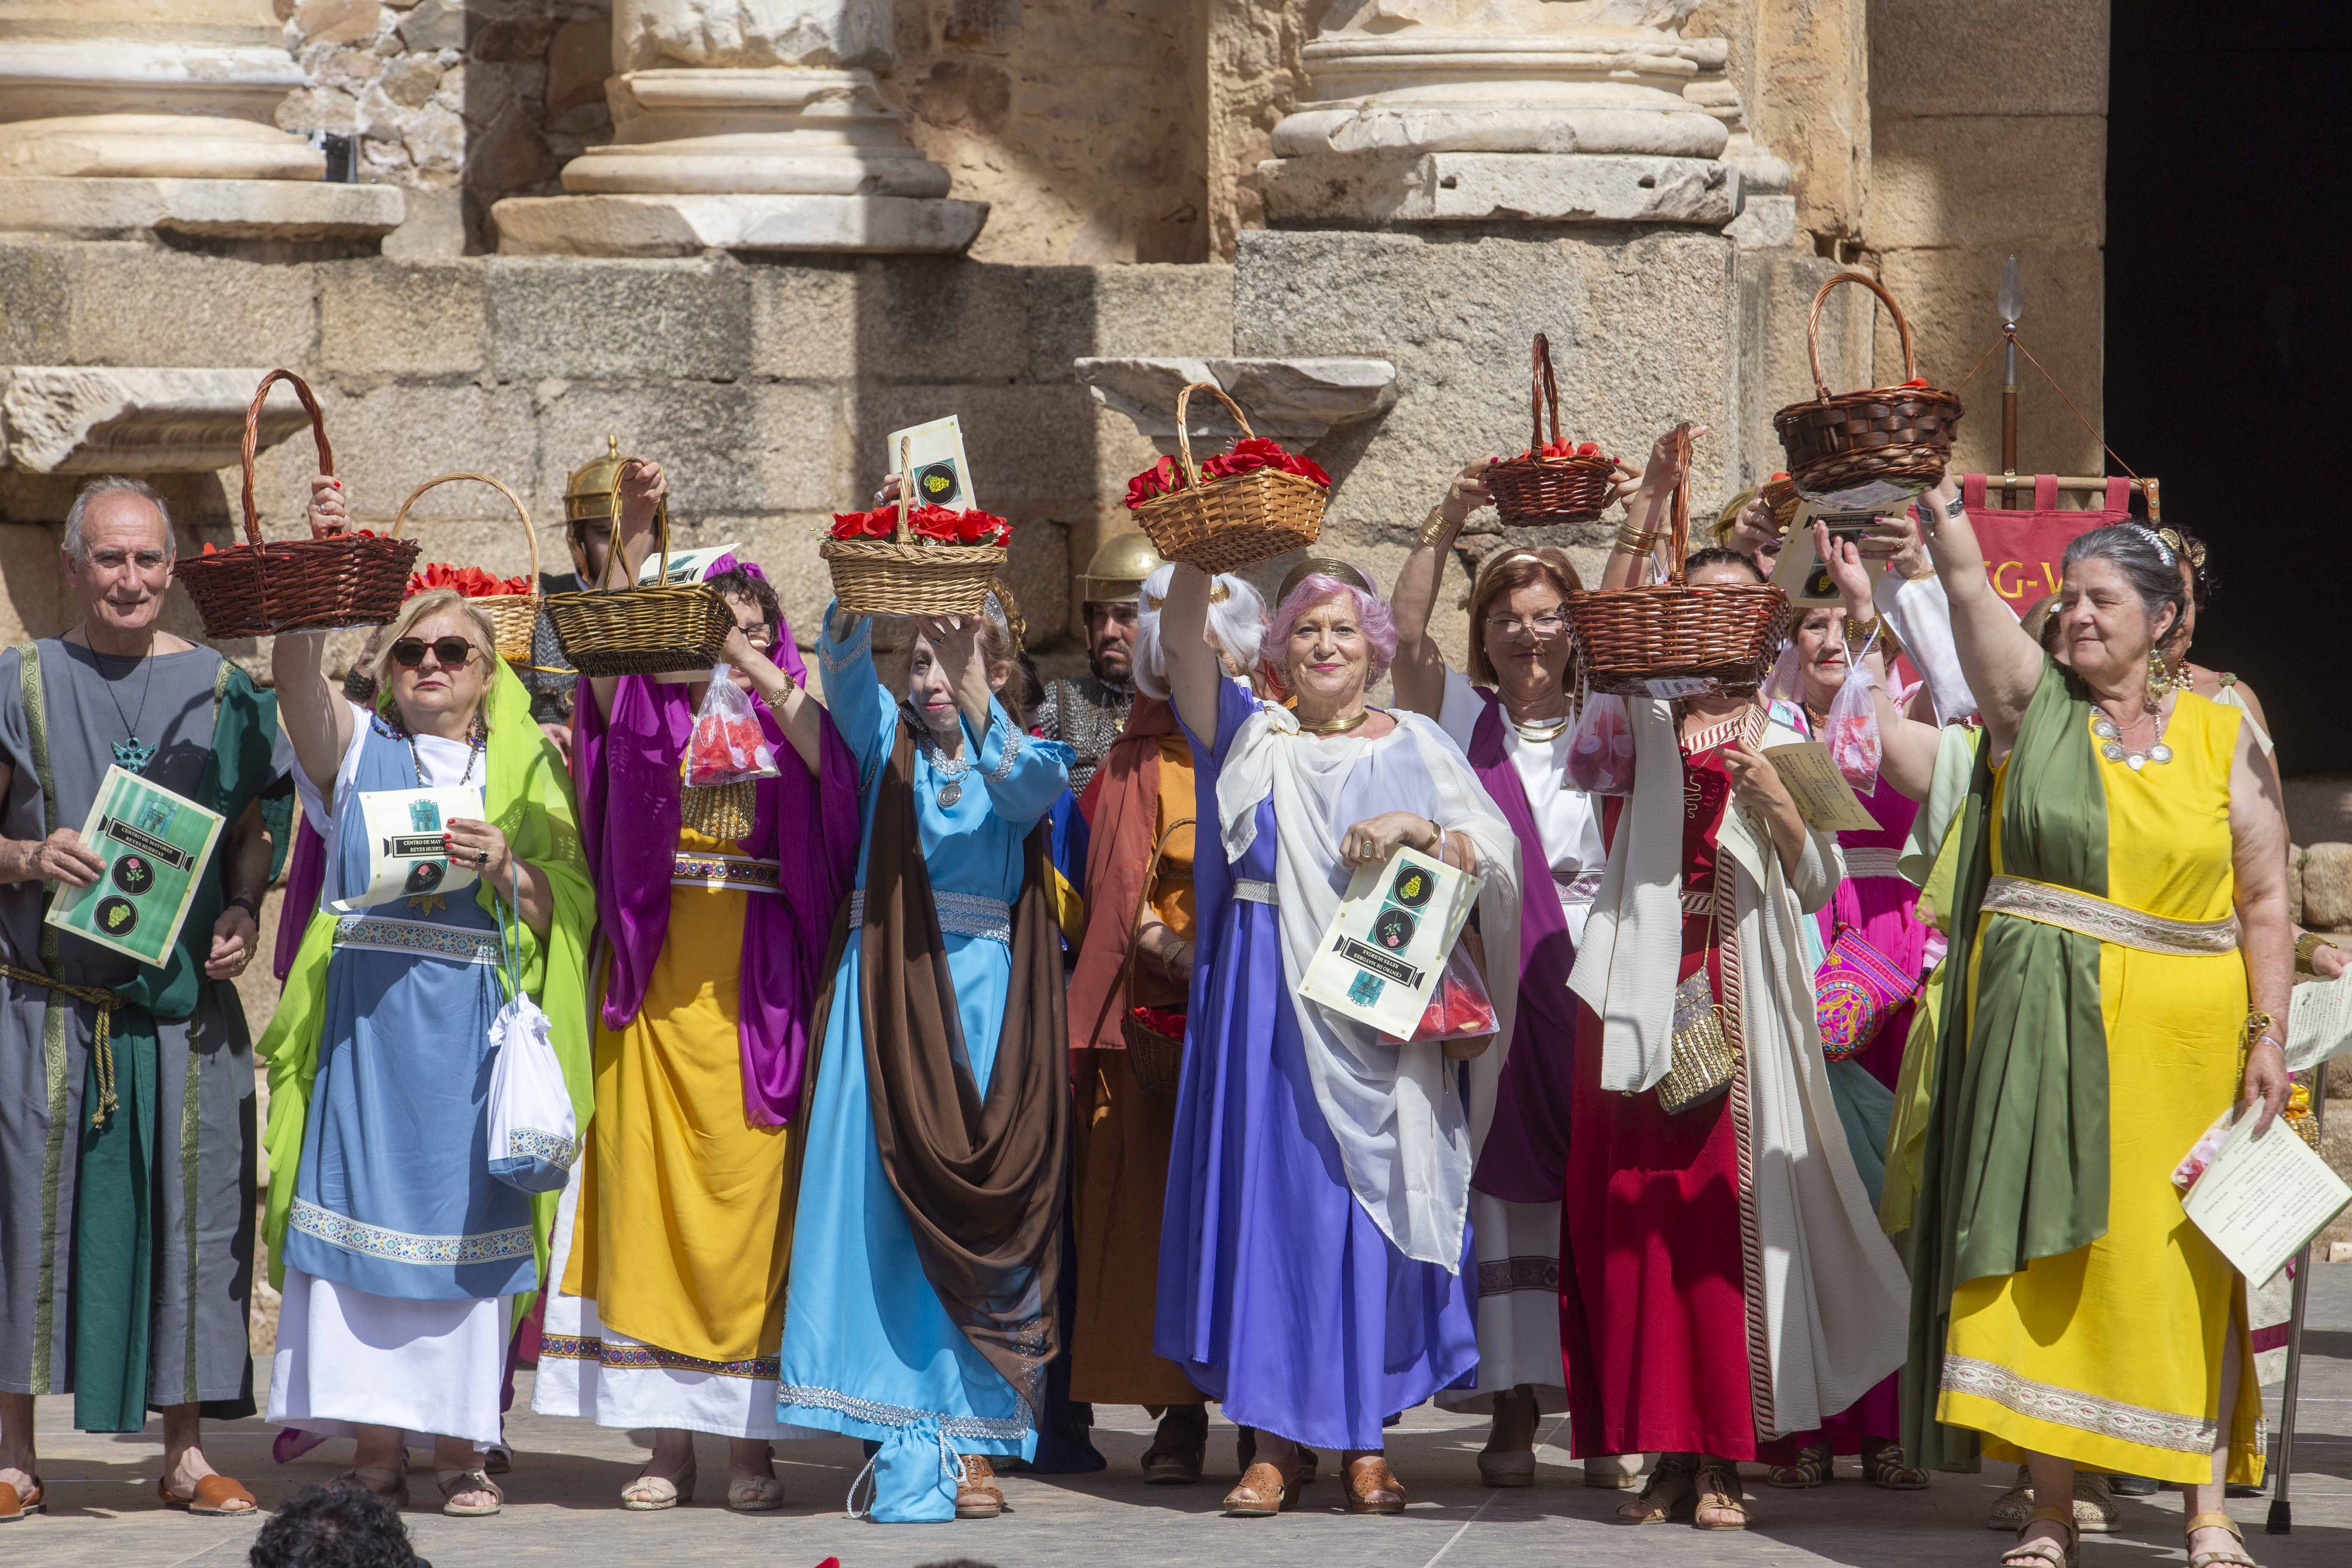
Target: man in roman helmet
590	500
1087	713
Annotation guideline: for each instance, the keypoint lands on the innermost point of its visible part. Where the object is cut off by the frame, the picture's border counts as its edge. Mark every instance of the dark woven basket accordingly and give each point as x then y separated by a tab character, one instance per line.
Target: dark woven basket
1224	524
1157	1059
325	583
666	628
1536	490
1674	639
1859	449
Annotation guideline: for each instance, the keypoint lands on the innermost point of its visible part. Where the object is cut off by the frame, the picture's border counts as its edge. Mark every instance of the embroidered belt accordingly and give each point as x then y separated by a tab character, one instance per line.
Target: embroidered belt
1255	891
960	914
1697	901
2090	915
726	871
457	943
1873	860
102	1041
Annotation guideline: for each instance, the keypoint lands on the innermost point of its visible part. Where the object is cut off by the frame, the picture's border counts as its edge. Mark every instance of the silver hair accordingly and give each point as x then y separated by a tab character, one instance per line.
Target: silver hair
2146	562
1237	627
116	485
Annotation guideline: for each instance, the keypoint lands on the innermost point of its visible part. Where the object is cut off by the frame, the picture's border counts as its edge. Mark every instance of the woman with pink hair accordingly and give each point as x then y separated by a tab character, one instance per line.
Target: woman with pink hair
1317	1222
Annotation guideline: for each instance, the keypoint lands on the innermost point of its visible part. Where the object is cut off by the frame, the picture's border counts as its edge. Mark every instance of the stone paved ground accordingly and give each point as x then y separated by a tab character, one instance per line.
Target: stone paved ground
559	1509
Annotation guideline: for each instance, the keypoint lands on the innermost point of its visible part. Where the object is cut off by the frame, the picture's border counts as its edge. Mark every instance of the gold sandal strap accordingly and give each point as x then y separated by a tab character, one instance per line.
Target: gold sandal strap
2211	1521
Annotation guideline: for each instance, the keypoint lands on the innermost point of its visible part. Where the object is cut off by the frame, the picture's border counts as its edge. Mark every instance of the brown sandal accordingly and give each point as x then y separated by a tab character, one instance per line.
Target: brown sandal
216	1496
1814	1465
1373	1487
2227	1557
1720	1494
1885	1466
1672	1483
2042	1552
1179	1449
15	1505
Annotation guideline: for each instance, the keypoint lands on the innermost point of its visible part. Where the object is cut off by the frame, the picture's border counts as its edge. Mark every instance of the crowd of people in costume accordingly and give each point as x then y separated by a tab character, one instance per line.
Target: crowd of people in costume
959	1075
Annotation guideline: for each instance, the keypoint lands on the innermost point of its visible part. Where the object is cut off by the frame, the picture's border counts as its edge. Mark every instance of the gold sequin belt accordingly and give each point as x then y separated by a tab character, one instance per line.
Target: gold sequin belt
2070	909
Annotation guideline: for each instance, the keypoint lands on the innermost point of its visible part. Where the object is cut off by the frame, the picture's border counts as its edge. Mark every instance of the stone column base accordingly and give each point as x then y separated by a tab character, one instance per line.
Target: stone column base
1405	186
682	224
234	209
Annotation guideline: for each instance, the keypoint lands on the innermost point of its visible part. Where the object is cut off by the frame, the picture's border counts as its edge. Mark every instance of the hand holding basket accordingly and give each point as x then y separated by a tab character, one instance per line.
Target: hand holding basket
1227	521
1674	639
1860	450
513	616
1533	490
664	628
321	583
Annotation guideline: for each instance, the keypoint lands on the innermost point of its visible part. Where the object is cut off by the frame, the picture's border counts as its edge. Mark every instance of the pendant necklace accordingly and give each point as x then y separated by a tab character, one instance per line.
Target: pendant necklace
947	775
130	753
2111	735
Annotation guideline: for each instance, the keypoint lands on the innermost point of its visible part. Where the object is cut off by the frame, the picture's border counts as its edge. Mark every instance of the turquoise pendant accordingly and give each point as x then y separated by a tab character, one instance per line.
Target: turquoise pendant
134	753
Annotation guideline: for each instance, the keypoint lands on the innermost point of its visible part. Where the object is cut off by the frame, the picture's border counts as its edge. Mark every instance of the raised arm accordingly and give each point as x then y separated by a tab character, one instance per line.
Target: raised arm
1192	669
643	486
862	710
800	716
1419	671
1646	515
1907	749
2265	934
2002	663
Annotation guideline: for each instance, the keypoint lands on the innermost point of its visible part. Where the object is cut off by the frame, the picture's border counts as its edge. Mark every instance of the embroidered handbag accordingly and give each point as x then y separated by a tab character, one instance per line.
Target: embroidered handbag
534	1136
1703	1057
1855	991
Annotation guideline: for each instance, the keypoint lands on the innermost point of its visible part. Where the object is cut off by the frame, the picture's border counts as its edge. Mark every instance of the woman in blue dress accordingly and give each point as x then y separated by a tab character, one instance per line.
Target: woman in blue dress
920	1311
400	1258
1317	1224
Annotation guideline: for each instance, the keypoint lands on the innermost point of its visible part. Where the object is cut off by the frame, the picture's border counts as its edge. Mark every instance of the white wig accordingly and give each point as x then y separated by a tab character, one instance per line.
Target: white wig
1237	627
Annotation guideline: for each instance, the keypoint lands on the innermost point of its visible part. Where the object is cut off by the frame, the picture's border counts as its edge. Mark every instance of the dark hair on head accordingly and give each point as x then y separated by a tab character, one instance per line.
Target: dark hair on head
1502	574
336	1526
738	584
2148	564
1722	555
2203	582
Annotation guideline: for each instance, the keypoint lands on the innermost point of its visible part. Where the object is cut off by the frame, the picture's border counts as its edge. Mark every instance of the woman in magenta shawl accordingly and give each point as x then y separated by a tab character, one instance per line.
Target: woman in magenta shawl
666	1295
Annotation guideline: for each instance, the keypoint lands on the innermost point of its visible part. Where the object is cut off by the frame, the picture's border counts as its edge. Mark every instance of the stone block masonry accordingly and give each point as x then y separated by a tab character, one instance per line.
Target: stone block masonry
766	386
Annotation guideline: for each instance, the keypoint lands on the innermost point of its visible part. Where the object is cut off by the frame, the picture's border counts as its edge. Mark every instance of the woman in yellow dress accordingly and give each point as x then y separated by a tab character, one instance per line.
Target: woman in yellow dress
716	903
2123	898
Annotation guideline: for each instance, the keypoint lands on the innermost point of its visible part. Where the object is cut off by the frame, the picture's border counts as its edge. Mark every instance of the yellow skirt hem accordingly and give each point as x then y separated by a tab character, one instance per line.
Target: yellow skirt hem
2007	1436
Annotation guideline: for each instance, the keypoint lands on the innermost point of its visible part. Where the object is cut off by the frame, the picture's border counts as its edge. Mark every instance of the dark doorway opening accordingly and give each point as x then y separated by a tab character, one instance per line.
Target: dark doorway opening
2229	331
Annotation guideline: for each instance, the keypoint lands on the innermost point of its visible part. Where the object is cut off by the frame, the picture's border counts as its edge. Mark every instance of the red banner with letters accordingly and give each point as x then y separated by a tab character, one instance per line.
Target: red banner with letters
2022	549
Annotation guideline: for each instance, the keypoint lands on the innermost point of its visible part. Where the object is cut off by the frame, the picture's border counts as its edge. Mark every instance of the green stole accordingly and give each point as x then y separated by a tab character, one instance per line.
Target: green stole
2015	1159
114	1219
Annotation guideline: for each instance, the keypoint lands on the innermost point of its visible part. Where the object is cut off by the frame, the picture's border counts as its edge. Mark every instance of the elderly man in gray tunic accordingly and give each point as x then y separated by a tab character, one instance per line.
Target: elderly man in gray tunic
126	1089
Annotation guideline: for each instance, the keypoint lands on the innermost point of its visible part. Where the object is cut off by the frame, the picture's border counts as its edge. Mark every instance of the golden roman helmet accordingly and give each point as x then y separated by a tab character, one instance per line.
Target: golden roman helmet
1121	564
594	494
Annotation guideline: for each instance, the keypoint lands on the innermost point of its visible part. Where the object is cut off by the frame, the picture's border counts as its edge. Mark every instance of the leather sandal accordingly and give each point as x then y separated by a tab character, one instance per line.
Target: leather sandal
1814	1465
216	1496
977	1495
1373	1487
388	1484
2228	1557
15	1505
1672	1482
1885	1466
1179	1448
2041	1552
1245	1455
1262	1492
1720	1502
651	1493
454	1484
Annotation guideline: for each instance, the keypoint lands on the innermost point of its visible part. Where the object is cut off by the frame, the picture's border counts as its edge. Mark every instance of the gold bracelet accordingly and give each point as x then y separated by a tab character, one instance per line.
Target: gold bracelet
2306	952
2258	1024
1858	634
1636	541
1435	530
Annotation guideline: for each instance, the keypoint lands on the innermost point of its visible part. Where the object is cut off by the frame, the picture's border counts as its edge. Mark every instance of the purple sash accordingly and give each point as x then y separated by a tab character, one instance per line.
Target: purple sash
626	768
1524	1160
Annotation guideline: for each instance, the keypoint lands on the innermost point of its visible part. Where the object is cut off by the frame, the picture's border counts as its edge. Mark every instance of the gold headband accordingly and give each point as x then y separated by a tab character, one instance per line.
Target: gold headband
1323	565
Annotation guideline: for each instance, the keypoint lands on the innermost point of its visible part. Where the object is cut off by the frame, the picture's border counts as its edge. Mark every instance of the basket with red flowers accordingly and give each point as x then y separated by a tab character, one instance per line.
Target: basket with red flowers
1871	448
903	559
1555	480
511	603
1239	508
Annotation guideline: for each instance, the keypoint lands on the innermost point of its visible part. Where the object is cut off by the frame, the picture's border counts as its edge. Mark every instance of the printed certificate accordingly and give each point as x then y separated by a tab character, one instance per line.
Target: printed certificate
2260	1200
154	844
1386	947
405	855
1824	798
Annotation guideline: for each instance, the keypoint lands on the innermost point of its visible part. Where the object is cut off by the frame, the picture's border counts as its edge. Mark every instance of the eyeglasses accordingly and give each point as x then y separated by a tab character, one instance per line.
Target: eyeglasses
450	653
1543	625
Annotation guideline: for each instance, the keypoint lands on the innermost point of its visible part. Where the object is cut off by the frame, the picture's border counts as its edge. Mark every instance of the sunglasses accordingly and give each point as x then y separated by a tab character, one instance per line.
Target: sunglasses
450	653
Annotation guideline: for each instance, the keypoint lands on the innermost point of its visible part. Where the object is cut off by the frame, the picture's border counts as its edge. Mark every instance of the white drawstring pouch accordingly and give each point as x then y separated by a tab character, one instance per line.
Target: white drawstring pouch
534	1136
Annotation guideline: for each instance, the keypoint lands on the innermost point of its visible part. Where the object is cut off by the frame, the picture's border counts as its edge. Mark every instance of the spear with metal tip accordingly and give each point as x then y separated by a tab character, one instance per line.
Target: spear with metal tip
2011	301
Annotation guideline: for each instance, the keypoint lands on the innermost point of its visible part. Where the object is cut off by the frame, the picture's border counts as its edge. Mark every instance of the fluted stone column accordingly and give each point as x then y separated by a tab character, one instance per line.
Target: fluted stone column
1478	110
122	115
746	125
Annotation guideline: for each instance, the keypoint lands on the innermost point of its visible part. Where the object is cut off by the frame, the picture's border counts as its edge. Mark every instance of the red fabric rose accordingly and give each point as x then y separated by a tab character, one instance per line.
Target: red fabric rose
1163	477
470	581
1160	1021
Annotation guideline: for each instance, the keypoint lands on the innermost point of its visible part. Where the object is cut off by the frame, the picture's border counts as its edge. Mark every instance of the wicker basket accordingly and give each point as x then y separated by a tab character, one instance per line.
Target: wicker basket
1157	1060
903	575
664	630
1872	447
1535	490
324	583
513	616
1224	524
1672	639
1781	496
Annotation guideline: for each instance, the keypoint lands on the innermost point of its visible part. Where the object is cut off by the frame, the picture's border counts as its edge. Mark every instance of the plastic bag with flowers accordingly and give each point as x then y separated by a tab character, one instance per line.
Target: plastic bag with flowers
1600	748
727	745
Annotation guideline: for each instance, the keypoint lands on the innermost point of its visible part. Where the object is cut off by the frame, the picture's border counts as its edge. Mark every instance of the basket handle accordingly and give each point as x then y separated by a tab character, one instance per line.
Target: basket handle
253	441
1813	325
906	487
1545	388
1678	526
1143	902
1184	436
661	528
528	537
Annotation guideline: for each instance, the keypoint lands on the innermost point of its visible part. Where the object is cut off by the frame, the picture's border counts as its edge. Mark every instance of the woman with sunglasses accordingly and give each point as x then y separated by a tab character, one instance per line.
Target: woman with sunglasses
714	899
1515	714
399	1256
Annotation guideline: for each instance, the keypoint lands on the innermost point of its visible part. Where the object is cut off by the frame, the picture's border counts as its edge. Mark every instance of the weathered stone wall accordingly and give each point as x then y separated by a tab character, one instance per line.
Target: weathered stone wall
766	387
